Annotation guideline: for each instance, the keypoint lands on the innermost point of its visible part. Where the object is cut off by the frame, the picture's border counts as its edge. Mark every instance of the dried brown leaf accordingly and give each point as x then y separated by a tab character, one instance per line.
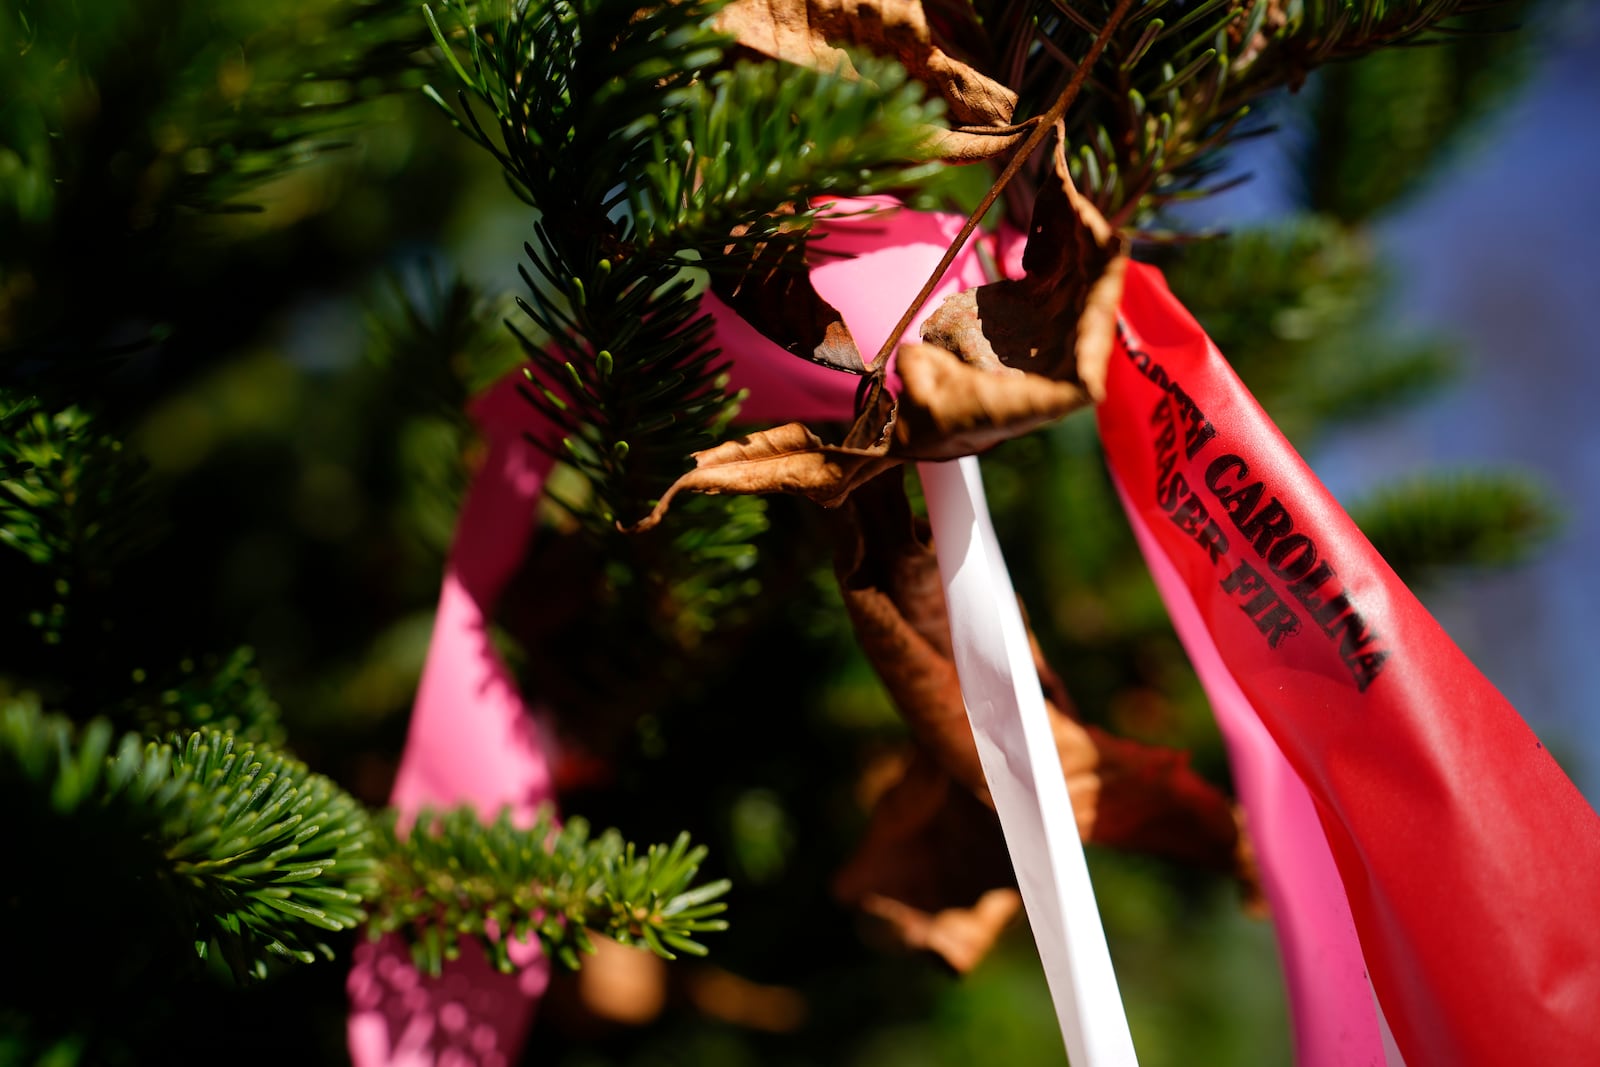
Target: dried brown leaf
785	459
1193	824
1007	358
949	408
1147	798
974	144
1060	318
961	936
813	33
1124	794
889	578
932	864
773	292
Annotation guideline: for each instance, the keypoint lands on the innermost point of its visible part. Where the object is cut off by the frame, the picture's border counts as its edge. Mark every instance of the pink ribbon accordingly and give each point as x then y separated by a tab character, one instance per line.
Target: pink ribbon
1330	999
472	739
890	254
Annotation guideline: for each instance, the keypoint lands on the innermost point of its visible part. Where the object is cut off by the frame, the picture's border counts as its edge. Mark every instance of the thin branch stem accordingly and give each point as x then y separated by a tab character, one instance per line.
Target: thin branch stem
1046	123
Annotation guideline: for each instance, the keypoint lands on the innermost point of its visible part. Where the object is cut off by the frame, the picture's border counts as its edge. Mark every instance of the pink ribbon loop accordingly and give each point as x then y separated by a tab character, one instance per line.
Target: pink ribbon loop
471	741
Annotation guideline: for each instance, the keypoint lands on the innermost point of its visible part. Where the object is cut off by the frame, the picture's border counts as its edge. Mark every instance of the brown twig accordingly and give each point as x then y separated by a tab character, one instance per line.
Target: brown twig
1046	123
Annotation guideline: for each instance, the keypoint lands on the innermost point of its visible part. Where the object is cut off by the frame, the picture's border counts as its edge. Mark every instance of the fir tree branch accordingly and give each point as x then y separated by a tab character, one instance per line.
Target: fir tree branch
722	164
1293	307
77	501
125	122
237	850
610	122
572	90
228	117
15	411
74	508
450	876
1178	81
441	339
1388	375
1368	153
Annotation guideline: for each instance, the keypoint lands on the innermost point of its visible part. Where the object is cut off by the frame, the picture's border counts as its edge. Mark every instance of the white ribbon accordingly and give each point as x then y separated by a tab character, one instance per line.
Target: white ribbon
1018	751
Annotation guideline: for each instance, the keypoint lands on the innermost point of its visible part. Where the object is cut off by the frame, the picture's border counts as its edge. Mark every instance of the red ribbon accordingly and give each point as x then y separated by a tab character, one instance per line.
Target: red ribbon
1471	862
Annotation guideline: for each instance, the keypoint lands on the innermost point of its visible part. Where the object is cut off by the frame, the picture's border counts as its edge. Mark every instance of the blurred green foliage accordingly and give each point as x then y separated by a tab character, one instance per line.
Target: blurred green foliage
1383	126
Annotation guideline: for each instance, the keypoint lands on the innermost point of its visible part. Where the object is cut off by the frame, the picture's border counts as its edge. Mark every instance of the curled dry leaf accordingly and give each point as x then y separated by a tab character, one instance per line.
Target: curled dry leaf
947	409
887	573
771	290
1194	825
950	409
814	33
974	144
1147	798
932	864
785	459
1124	793
1059	320
961	936
1000	361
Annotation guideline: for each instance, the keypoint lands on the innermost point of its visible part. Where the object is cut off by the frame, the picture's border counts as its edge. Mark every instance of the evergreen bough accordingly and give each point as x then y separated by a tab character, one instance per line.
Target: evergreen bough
450	876
241	850
642	158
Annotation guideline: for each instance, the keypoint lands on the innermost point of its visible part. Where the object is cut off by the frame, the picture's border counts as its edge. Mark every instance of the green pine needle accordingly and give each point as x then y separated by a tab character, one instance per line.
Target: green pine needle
767	134
1179	77
641	157
451	876
236	850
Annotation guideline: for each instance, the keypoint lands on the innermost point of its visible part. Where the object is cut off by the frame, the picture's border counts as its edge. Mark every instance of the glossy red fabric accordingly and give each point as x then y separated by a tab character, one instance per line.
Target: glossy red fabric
1471	862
